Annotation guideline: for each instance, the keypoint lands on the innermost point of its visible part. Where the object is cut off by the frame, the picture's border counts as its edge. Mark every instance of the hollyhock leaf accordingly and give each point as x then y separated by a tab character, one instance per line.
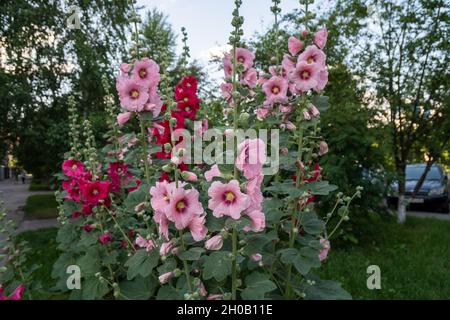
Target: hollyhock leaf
110	258
320	188
217	265
256	243
302	260
87	239
168	266
258	285
321	102
169	293
215	224
324	290
136	197
89	263
311	224
67	234
192	254
93	289
139	288
142	263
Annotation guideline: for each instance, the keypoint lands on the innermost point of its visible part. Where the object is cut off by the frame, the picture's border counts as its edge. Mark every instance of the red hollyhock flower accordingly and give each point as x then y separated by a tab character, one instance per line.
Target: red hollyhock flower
71	186
315	177
164	177
87	209
73	168
189	83
94	192
118	172
138	183
105	238
186	97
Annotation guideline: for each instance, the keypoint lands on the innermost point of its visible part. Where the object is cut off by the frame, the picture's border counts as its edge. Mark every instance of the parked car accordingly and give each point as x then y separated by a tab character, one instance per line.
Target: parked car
434	192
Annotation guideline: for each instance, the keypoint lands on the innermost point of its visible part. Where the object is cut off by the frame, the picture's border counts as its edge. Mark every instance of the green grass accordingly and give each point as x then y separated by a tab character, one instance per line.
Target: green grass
44	253
414	260
39	187
41	206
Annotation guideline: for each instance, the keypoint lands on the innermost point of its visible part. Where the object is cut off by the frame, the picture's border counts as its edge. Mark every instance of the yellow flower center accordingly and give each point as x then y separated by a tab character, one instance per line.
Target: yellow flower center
134	93
241	60
186	99
181	205
305	74
142	73
310	60
95	192
229	196
275	90
74	167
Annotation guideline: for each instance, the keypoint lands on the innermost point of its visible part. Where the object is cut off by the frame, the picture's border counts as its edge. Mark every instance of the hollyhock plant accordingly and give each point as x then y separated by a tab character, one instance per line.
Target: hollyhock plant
227	199
275	90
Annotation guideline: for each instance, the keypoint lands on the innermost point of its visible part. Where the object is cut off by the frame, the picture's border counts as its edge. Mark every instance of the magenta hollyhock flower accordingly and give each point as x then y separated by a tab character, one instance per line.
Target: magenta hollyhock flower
320	38
275	90
183	206
88	227
323	80
146	73
133	96
294	45
123	118
16	295
94	192
313	55
253	190
250	78
227	199
325	248
71	187
212	173
305	76
258	221
215	243
164	278
251	157
244	57
198	228
105	238
73	168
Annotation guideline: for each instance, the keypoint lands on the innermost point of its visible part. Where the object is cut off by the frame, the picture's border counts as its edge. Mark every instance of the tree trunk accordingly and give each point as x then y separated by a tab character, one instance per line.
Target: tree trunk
402	202
422	177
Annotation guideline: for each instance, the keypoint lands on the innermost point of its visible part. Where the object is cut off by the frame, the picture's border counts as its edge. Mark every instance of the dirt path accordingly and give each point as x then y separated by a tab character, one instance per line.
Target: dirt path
14	196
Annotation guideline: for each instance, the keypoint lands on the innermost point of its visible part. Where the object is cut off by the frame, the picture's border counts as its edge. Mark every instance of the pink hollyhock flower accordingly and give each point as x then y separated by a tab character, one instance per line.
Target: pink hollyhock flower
94	192
262	113
258	221
275	90
226	89
320	38
306	115
105	238
313	55
215	297
144	243
305	76
284	151
123	118
183	206
286	109
132	95
227	199
215	243
250	78
212	173
314	111
288	125
163	223
288	64
227	66
294	45
16	295
146	73
251	157
154	104
323	80
325	248
166	247
256	257
198	228
164	278
323	148
189	176
253	190
73	168
244	57
125	67
305	33
202	290
161	195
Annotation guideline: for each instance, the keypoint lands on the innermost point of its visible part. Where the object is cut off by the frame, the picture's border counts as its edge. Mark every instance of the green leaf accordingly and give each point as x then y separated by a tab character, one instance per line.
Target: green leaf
192	254
302	260
325	290
255	243
168	293
320	188
258	285
312	224
142	263
217	265
139	288
321	102
93	289
136	197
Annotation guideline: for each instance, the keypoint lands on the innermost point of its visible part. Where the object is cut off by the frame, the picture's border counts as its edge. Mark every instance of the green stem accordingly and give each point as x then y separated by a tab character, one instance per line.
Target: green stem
234	266
121	230
145	151
185	264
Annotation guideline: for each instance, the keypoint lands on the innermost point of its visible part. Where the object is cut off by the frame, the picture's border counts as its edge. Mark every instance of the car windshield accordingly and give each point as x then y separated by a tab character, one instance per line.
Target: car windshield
414	173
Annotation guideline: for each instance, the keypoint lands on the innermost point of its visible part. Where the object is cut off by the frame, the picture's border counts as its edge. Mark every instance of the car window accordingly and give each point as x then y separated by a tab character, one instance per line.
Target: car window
414	173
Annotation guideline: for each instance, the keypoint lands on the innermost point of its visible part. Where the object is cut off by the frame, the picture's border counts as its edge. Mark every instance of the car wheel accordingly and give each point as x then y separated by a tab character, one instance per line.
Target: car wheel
445	206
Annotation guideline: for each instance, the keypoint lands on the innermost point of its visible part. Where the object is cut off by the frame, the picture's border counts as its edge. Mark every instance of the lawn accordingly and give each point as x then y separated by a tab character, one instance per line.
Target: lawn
41	206
414	260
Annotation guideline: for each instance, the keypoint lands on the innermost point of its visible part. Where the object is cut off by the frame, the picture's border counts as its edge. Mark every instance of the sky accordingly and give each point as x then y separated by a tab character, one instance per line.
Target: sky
208	22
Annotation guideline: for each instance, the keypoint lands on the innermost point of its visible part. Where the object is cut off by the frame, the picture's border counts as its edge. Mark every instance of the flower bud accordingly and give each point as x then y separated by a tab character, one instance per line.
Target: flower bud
215	243
243	118
189	176
167	147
